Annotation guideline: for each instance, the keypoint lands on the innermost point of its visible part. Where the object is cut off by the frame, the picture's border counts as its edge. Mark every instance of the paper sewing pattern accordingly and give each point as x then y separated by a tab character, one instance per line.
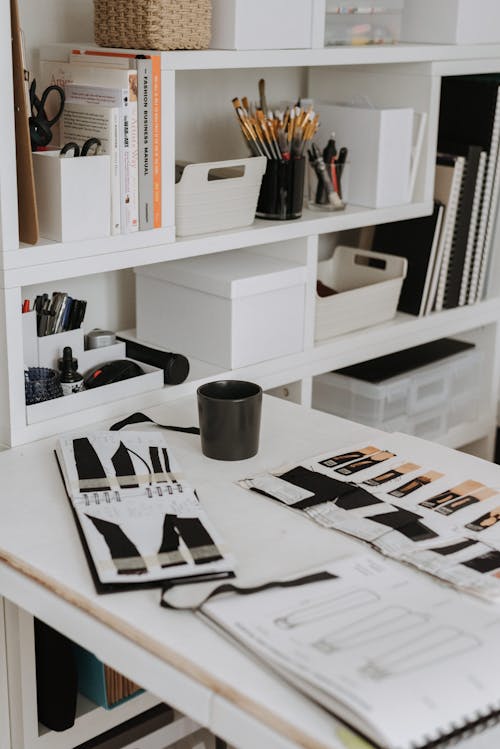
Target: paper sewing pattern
409	510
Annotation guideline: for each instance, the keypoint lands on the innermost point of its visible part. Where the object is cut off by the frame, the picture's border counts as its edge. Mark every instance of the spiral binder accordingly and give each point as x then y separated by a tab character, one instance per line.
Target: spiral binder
473	229
470	727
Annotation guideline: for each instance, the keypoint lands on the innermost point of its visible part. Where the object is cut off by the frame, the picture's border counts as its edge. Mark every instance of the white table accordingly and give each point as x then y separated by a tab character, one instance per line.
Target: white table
174	654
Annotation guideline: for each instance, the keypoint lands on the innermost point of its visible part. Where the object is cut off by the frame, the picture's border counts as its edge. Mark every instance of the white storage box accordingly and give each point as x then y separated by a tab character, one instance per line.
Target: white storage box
369	284
377	23
262	24
451	21
423	402
204	205
231	309
380	147
73	196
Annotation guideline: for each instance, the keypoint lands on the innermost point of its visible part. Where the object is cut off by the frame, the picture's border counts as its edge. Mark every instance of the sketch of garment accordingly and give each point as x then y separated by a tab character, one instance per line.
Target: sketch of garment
125	555
195	536
161	470
379	625
335	606
91	474
426	649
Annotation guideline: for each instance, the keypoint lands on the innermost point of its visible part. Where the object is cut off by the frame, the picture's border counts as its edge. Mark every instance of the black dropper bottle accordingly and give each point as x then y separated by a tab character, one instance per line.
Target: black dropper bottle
71	379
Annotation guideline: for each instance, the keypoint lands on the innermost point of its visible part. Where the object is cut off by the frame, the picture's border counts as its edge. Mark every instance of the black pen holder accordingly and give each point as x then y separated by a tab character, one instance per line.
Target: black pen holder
282	190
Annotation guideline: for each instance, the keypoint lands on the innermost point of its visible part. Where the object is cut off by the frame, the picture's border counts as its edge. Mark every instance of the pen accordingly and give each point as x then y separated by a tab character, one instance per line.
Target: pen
26	305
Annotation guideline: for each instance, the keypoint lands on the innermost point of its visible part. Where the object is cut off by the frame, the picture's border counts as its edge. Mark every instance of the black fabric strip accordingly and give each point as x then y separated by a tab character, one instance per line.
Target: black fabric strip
166	460
318	577
324	488
119	545
123	465
154	455
139	418
88	465
195	535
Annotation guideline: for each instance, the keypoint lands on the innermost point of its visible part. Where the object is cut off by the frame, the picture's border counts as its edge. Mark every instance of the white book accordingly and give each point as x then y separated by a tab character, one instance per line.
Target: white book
447	190
486	206
115	87
473	227
83	121
488	241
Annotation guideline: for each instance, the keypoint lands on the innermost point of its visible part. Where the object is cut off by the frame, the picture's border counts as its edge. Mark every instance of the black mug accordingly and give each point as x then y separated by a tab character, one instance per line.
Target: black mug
229	412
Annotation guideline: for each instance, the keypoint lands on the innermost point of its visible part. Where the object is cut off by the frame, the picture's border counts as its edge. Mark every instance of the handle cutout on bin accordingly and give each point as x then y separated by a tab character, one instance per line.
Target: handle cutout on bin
371	262
226	172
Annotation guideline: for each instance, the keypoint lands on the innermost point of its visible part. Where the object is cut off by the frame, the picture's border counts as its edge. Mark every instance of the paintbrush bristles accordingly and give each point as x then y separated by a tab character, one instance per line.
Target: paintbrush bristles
277	135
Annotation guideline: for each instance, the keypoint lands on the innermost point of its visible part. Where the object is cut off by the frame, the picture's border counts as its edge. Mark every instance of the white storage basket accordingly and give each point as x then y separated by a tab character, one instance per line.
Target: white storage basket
204	205
369	284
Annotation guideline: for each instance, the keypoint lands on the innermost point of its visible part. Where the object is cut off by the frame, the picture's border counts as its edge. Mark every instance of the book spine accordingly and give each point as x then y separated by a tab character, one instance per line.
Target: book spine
115	173
157	151
471	239
489	232
486	205
144	108
131	157
450	220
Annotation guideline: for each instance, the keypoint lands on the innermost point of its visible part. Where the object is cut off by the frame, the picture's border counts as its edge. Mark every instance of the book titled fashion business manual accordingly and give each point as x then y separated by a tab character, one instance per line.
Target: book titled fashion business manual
139	520
404	660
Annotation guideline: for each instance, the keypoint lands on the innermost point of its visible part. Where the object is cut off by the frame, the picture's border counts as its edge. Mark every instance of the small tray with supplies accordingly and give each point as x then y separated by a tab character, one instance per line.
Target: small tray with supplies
217	196
357	288
108	376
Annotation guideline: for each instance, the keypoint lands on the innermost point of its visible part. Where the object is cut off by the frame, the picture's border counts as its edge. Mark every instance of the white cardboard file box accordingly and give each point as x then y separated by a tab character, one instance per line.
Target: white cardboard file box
231	309
451	21
368	285
204	205
262	24
380	149
73	196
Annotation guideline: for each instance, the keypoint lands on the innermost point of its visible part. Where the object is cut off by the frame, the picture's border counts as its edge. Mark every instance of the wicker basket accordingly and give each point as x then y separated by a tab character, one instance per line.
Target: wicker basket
153	24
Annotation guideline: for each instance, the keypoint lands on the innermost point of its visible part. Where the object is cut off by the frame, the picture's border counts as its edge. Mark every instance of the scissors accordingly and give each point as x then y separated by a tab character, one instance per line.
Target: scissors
40	125
75	150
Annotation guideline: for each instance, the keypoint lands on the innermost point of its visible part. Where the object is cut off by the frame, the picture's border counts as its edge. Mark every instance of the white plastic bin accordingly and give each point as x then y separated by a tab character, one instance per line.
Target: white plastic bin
380	147
73	196
262	24
377	23
218	195
369	284
451	21
231	309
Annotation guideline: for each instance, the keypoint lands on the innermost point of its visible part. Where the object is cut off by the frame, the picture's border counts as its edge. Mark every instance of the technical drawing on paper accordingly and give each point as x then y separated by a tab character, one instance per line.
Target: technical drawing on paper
354	599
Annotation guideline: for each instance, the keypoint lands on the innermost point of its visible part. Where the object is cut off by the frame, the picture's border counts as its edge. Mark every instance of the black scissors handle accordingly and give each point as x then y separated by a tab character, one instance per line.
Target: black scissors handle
40	125
42	102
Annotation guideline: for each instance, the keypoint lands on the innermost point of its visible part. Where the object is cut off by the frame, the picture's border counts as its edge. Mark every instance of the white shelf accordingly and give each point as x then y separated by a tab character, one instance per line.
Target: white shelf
322	57
404	331
32	265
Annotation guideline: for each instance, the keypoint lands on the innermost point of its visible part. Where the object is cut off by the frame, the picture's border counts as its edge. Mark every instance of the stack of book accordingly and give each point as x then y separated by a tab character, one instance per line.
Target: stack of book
116	97
448	252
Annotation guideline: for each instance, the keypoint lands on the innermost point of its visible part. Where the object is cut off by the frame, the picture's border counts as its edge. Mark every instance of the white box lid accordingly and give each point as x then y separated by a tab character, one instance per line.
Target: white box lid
232	274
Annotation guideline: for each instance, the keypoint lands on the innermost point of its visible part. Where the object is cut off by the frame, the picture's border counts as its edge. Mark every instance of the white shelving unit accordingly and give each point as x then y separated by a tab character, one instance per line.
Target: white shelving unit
197	124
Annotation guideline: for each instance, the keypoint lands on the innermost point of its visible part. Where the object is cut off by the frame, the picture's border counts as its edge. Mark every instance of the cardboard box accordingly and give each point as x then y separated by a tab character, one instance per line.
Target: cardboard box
231	309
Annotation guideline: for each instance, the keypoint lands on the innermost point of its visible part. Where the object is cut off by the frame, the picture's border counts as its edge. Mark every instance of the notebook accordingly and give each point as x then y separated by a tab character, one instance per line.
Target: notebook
139	520
462	224
447	185
406	662
473	229
417	240
476	123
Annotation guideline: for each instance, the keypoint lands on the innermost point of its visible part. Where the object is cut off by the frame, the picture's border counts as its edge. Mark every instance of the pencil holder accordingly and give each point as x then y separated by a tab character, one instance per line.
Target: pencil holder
282	190
318	197
73	196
